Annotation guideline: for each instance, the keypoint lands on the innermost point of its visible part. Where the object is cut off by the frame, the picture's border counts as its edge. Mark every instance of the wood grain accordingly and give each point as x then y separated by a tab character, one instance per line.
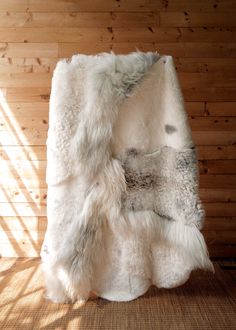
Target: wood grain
34	35
15	50
113	5
149	34
193	19
79	19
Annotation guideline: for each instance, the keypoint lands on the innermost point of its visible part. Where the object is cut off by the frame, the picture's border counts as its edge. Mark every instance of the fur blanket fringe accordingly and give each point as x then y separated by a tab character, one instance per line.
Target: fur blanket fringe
122	175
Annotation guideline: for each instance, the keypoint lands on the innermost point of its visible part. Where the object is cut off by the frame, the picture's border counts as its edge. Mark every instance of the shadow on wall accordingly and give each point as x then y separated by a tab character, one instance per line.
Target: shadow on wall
22	189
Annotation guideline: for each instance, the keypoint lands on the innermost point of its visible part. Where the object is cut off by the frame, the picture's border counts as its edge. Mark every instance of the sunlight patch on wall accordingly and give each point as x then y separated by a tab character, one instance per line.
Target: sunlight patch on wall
21	174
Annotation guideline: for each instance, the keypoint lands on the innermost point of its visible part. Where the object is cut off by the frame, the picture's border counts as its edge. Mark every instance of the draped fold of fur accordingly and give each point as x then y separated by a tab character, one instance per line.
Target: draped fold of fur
123	205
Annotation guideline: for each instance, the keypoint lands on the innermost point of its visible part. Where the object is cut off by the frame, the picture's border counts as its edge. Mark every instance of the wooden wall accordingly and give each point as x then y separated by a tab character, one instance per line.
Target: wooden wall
201	35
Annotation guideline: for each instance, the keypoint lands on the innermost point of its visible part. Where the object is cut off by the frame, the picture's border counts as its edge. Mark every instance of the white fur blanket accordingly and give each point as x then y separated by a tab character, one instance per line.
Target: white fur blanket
123	205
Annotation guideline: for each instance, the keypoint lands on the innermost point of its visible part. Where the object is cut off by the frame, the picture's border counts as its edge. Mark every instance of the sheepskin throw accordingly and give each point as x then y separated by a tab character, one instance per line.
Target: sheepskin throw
122	175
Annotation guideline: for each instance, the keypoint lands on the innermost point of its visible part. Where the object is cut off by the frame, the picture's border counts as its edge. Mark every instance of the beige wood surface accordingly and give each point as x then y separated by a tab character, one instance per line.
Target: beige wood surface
34	35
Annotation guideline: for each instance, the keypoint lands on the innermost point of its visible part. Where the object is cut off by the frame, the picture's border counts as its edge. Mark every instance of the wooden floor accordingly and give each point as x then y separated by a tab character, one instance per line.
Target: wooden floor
206	301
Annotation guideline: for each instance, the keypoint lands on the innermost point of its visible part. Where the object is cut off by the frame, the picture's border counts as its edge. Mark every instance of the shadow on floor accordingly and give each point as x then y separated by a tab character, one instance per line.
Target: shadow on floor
206	301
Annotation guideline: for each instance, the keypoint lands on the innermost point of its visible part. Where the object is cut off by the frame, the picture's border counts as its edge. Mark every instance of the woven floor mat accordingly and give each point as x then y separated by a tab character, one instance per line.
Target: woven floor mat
206	301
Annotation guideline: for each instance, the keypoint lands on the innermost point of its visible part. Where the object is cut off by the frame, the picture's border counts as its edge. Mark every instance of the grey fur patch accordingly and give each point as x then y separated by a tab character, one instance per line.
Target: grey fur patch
88	233
170	129
139	180
164	182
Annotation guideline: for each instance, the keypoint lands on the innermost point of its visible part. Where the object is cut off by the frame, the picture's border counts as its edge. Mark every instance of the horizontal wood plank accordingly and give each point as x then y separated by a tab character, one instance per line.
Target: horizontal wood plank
220	209
75	6
218	108
24	49
22	153
24	94
79	19
212	123
215	109
204	65
25	79
20	223
22	195
218	181
22	209
193	19
210	94
216	152
138	5
214	138
26	137
29	65
217	166
22	123
208	80
219	224
217	194
220	237
113	5
20	248
149	34
28	109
